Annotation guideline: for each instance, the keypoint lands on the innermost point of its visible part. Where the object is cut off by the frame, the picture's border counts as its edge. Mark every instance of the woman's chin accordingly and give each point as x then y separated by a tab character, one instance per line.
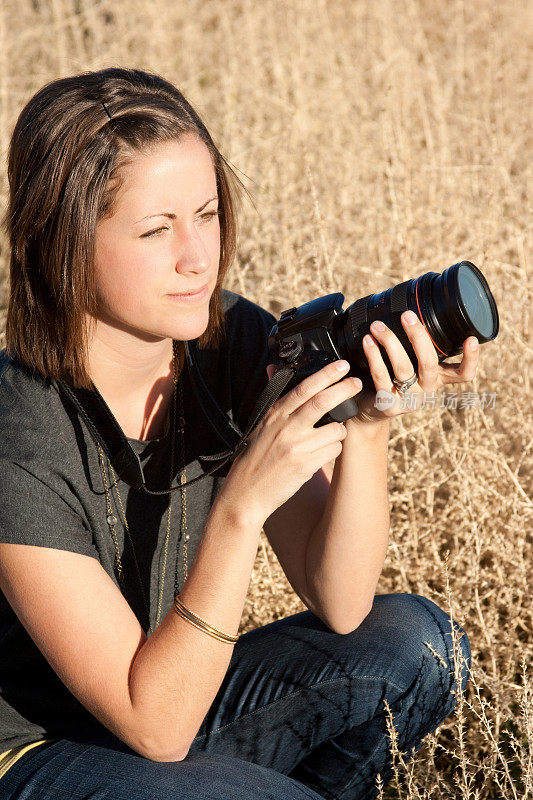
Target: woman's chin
187	330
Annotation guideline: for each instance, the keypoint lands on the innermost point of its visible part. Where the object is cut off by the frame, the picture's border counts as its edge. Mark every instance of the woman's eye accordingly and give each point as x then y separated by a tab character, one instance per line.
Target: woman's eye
210	215
157	231
151	233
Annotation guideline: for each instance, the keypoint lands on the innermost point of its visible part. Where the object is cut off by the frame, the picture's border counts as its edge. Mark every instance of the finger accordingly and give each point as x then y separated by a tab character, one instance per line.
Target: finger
426	355
323	456
309	443
465	370
309	386
378	369
324	401
402	365
327	435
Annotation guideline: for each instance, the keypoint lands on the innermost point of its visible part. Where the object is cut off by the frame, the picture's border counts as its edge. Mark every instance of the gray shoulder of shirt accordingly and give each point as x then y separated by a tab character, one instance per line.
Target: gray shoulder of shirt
28	409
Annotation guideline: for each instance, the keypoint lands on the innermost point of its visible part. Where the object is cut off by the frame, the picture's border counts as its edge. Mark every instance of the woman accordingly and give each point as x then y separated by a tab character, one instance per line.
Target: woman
120	671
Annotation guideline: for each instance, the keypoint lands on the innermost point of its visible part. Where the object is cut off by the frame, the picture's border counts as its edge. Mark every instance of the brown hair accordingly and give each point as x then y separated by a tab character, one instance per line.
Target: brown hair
64	162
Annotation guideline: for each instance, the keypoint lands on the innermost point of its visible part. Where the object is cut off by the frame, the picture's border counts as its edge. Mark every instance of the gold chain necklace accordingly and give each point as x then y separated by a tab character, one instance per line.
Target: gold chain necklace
112	520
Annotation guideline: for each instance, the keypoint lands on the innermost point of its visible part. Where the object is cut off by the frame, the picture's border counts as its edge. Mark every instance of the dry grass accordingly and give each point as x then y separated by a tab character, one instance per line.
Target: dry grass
380	140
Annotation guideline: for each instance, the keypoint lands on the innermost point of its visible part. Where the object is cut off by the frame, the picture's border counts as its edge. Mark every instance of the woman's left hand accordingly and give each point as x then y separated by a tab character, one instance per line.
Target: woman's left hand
431	374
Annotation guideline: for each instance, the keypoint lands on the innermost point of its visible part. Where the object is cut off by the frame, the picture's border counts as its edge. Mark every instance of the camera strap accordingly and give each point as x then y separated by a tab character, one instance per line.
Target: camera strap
213	412
105	430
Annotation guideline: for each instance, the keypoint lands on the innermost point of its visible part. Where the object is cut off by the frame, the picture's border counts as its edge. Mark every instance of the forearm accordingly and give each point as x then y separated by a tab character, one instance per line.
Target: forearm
179	669
347	547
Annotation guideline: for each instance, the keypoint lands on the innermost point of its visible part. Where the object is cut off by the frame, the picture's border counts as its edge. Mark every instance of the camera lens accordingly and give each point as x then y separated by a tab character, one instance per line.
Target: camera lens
451	305
474	298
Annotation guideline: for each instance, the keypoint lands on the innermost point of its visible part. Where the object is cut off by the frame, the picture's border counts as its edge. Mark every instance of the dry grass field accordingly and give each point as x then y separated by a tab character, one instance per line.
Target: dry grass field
378	140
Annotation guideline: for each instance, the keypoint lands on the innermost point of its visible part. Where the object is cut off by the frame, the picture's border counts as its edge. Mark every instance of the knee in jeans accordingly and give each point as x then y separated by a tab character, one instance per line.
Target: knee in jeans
159	779
449	646
201	775
445	654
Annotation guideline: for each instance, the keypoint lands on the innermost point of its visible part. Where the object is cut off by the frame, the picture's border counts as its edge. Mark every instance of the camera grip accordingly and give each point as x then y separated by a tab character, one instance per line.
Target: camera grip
340	413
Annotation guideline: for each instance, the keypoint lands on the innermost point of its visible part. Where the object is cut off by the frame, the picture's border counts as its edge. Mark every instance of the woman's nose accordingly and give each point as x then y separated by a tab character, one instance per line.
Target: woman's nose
192	253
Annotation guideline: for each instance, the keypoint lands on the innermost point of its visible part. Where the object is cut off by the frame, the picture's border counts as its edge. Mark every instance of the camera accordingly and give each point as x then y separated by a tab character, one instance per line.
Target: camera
451	305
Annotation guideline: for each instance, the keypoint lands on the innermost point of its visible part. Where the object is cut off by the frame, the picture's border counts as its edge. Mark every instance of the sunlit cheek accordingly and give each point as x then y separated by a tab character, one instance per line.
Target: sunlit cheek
122	283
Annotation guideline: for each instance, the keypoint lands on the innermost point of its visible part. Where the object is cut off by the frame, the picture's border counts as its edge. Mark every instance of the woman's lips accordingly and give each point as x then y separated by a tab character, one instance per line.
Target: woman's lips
190	298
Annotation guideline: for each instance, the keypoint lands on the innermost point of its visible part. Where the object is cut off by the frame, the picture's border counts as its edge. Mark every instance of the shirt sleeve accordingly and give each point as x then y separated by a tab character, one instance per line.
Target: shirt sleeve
31	512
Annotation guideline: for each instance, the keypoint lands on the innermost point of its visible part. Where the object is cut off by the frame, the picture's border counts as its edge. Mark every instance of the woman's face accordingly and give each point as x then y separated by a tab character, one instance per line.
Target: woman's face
162	239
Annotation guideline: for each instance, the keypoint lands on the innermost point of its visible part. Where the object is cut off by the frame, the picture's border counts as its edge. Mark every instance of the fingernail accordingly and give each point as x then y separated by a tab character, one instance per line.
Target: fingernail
378	325
342	366
357	383
410	317
369	340
474	344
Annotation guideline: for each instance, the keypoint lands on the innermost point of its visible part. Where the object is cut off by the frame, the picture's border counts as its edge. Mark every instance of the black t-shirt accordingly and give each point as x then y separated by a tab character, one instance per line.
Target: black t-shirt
52	495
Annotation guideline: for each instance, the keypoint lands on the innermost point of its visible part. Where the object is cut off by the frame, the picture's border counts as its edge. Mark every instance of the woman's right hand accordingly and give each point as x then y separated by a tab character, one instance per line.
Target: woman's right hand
285	450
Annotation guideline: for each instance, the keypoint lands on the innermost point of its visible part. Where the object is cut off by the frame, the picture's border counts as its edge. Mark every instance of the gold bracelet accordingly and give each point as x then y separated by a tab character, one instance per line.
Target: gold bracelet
200	623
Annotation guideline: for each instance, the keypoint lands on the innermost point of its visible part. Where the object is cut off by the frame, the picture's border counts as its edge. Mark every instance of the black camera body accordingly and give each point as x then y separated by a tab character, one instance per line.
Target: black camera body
305	337
451	305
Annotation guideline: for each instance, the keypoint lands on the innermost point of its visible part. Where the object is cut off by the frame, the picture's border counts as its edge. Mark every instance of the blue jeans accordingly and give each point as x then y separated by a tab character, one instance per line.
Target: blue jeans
300	714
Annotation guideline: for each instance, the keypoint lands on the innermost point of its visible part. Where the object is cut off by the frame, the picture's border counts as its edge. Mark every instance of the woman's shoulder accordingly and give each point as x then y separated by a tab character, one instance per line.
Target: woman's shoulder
28	416
244	317
37	451
235	305
18	388
15	377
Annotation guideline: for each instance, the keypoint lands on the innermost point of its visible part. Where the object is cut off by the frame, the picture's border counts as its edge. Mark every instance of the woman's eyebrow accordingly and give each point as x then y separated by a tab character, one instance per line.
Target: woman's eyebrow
173	216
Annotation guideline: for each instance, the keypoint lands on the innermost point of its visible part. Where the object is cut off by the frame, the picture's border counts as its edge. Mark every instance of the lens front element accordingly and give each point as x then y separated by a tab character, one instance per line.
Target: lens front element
476	303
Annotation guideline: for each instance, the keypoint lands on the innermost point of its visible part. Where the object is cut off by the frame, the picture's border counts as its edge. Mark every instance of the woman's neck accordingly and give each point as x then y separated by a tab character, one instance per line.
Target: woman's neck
134	377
